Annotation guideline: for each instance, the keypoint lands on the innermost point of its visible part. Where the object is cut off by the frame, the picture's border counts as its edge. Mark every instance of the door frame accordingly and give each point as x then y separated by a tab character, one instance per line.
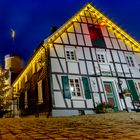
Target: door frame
116	93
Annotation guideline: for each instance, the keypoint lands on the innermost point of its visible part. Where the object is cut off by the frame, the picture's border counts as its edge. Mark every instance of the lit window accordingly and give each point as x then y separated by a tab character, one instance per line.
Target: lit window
101	58
75	88
130	61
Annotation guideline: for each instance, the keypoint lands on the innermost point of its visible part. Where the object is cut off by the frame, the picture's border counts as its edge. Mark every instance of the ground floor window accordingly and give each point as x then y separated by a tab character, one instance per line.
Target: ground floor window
75	87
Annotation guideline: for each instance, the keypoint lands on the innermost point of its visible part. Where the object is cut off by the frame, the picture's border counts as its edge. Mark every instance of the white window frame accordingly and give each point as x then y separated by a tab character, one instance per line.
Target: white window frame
130	60
74	88
70	50
102	56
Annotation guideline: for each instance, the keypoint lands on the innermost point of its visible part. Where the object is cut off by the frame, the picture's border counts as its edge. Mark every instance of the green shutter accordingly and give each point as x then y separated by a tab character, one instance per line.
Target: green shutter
86	88
132	88
66	89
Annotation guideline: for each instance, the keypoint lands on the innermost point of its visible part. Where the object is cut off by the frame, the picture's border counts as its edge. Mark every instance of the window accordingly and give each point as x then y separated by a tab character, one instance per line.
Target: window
96	36
75	88
70	53
101	58
130	61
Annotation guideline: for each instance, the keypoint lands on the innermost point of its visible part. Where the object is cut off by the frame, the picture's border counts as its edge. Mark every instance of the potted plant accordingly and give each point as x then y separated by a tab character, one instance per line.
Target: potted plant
104	108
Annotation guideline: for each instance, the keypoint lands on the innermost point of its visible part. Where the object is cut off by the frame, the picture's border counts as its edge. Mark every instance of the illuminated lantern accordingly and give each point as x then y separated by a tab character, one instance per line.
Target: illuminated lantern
102	23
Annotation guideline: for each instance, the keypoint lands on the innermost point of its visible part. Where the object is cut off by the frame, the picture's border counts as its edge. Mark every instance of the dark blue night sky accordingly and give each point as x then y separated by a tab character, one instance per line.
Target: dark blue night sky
32	20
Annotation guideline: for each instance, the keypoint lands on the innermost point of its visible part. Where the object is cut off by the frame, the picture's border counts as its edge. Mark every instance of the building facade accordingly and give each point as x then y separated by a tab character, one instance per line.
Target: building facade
87	61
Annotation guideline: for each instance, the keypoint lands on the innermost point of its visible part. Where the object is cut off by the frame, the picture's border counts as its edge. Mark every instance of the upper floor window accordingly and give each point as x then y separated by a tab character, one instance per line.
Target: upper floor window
130	61
70	53
96	36
101	58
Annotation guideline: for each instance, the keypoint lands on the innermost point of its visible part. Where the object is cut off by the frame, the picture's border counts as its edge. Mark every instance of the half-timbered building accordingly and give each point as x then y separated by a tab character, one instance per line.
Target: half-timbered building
87	61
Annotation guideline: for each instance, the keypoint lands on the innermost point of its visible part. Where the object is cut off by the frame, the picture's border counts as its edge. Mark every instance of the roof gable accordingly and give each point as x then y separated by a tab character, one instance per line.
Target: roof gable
98	18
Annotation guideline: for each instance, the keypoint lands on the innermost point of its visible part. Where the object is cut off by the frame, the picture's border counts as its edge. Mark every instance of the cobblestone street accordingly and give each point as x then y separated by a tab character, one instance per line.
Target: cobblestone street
112	126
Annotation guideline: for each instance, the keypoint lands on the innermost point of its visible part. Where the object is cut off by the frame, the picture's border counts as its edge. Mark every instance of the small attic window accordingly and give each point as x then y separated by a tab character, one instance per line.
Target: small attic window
96	36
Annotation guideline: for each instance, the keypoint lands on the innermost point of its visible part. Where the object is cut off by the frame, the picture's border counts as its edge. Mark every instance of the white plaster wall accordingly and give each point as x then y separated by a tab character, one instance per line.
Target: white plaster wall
137	56
108	42
87	40
89	103
104	31
96	98
108	56
85	28
90	67
73	67
122	56
68	101
63	63
103	97
122	45
79	53
55	83
77	28
115	43
111	32
59	50
65	38
126	70
115	55
58	40
55	66
100	84
52	52
80	39
128	102
93	54
82	67
93	83
135	72
78	104
129	47
58	99
87	53
72	38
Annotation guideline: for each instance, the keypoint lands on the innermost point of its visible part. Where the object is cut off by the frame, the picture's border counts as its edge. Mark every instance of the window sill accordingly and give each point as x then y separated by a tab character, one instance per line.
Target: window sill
78	99
73	61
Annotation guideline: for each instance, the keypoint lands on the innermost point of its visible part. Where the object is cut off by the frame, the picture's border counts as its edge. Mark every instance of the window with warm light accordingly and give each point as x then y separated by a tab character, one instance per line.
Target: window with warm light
75	88
96	36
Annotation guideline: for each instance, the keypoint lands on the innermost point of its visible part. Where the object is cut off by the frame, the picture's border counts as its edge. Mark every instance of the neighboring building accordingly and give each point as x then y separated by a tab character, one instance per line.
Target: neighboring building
14	65
87	61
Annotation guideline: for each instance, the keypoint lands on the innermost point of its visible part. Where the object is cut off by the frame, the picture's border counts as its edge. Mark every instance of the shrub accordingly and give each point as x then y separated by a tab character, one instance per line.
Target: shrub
102	107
